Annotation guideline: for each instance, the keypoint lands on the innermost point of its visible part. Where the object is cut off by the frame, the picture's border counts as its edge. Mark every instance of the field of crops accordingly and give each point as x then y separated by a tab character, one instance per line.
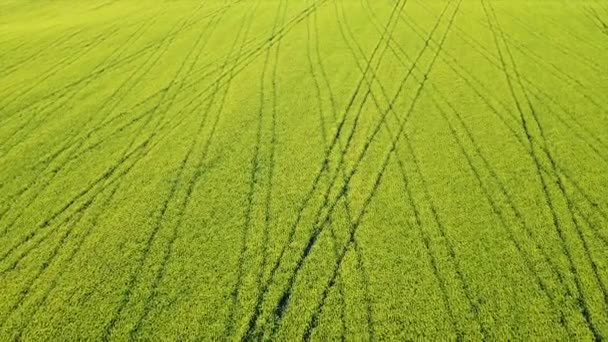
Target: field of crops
311	169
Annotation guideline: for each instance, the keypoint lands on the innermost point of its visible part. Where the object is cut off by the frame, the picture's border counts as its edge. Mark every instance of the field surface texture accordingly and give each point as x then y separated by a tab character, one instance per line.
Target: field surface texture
303	170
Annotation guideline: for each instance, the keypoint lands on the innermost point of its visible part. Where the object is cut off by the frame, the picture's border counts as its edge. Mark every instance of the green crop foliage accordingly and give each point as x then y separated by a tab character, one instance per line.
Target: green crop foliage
303	170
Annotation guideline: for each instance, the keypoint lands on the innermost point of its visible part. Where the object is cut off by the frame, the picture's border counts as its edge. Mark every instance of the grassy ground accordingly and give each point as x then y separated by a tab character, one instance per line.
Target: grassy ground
312	169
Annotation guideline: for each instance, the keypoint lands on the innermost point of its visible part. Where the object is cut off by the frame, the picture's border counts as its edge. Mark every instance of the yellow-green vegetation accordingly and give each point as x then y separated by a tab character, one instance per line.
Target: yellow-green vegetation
313	169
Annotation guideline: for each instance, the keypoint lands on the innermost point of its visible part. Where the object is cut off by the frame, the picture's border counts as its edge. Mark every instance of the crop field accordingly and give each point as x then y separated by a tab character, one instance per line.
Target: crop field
303	170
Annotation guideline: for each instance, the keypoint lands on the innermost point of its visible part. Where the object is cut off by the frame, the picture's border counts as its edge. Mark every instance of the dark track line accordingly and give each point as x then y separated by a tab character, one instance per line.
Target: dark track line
314	319
325	163
160	274
253	175
308	196
126	296
556	23
56	170
518	214
286	294
544	93
10	69
403	175
161	270
41	302
378	178
559	181
63	63
69	62
40	270
556	223
69	143
554	70
145	147
272	146
100	180
119	63
106	175
454	60
564	49
515	134
251	55
410	199
484	52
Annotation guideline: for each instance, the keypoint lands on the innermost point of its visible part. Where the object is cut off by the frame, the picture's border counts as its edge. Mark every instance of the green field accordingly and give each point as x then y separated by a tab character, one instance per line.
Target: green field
303	170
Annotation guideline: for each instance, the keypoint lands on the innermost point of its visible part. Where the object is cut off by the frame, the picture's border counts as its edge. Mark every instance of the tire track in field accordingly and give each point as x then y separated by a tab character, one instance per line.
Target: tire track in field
596	19
69	231
369	315
581	300
302	15
175	83
24	42
62	166
591	224
56	43
575	83
10	69
525	26
548	152
503	105
52	109
126	155
241	35
564	49
495	207
160	217
47	292
141	151
554	172
253	180
565	76
452	60
570	32
503	190
65	90
323	128
323	222
119	63
347	208
253	321
425	238
123	113
251	55
47	160
73	201
54	70
62	64
378	179
486	54
95	73
38	272
283	31
314	320
168	252
557	72
439	279
70	142
298	18
279	17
